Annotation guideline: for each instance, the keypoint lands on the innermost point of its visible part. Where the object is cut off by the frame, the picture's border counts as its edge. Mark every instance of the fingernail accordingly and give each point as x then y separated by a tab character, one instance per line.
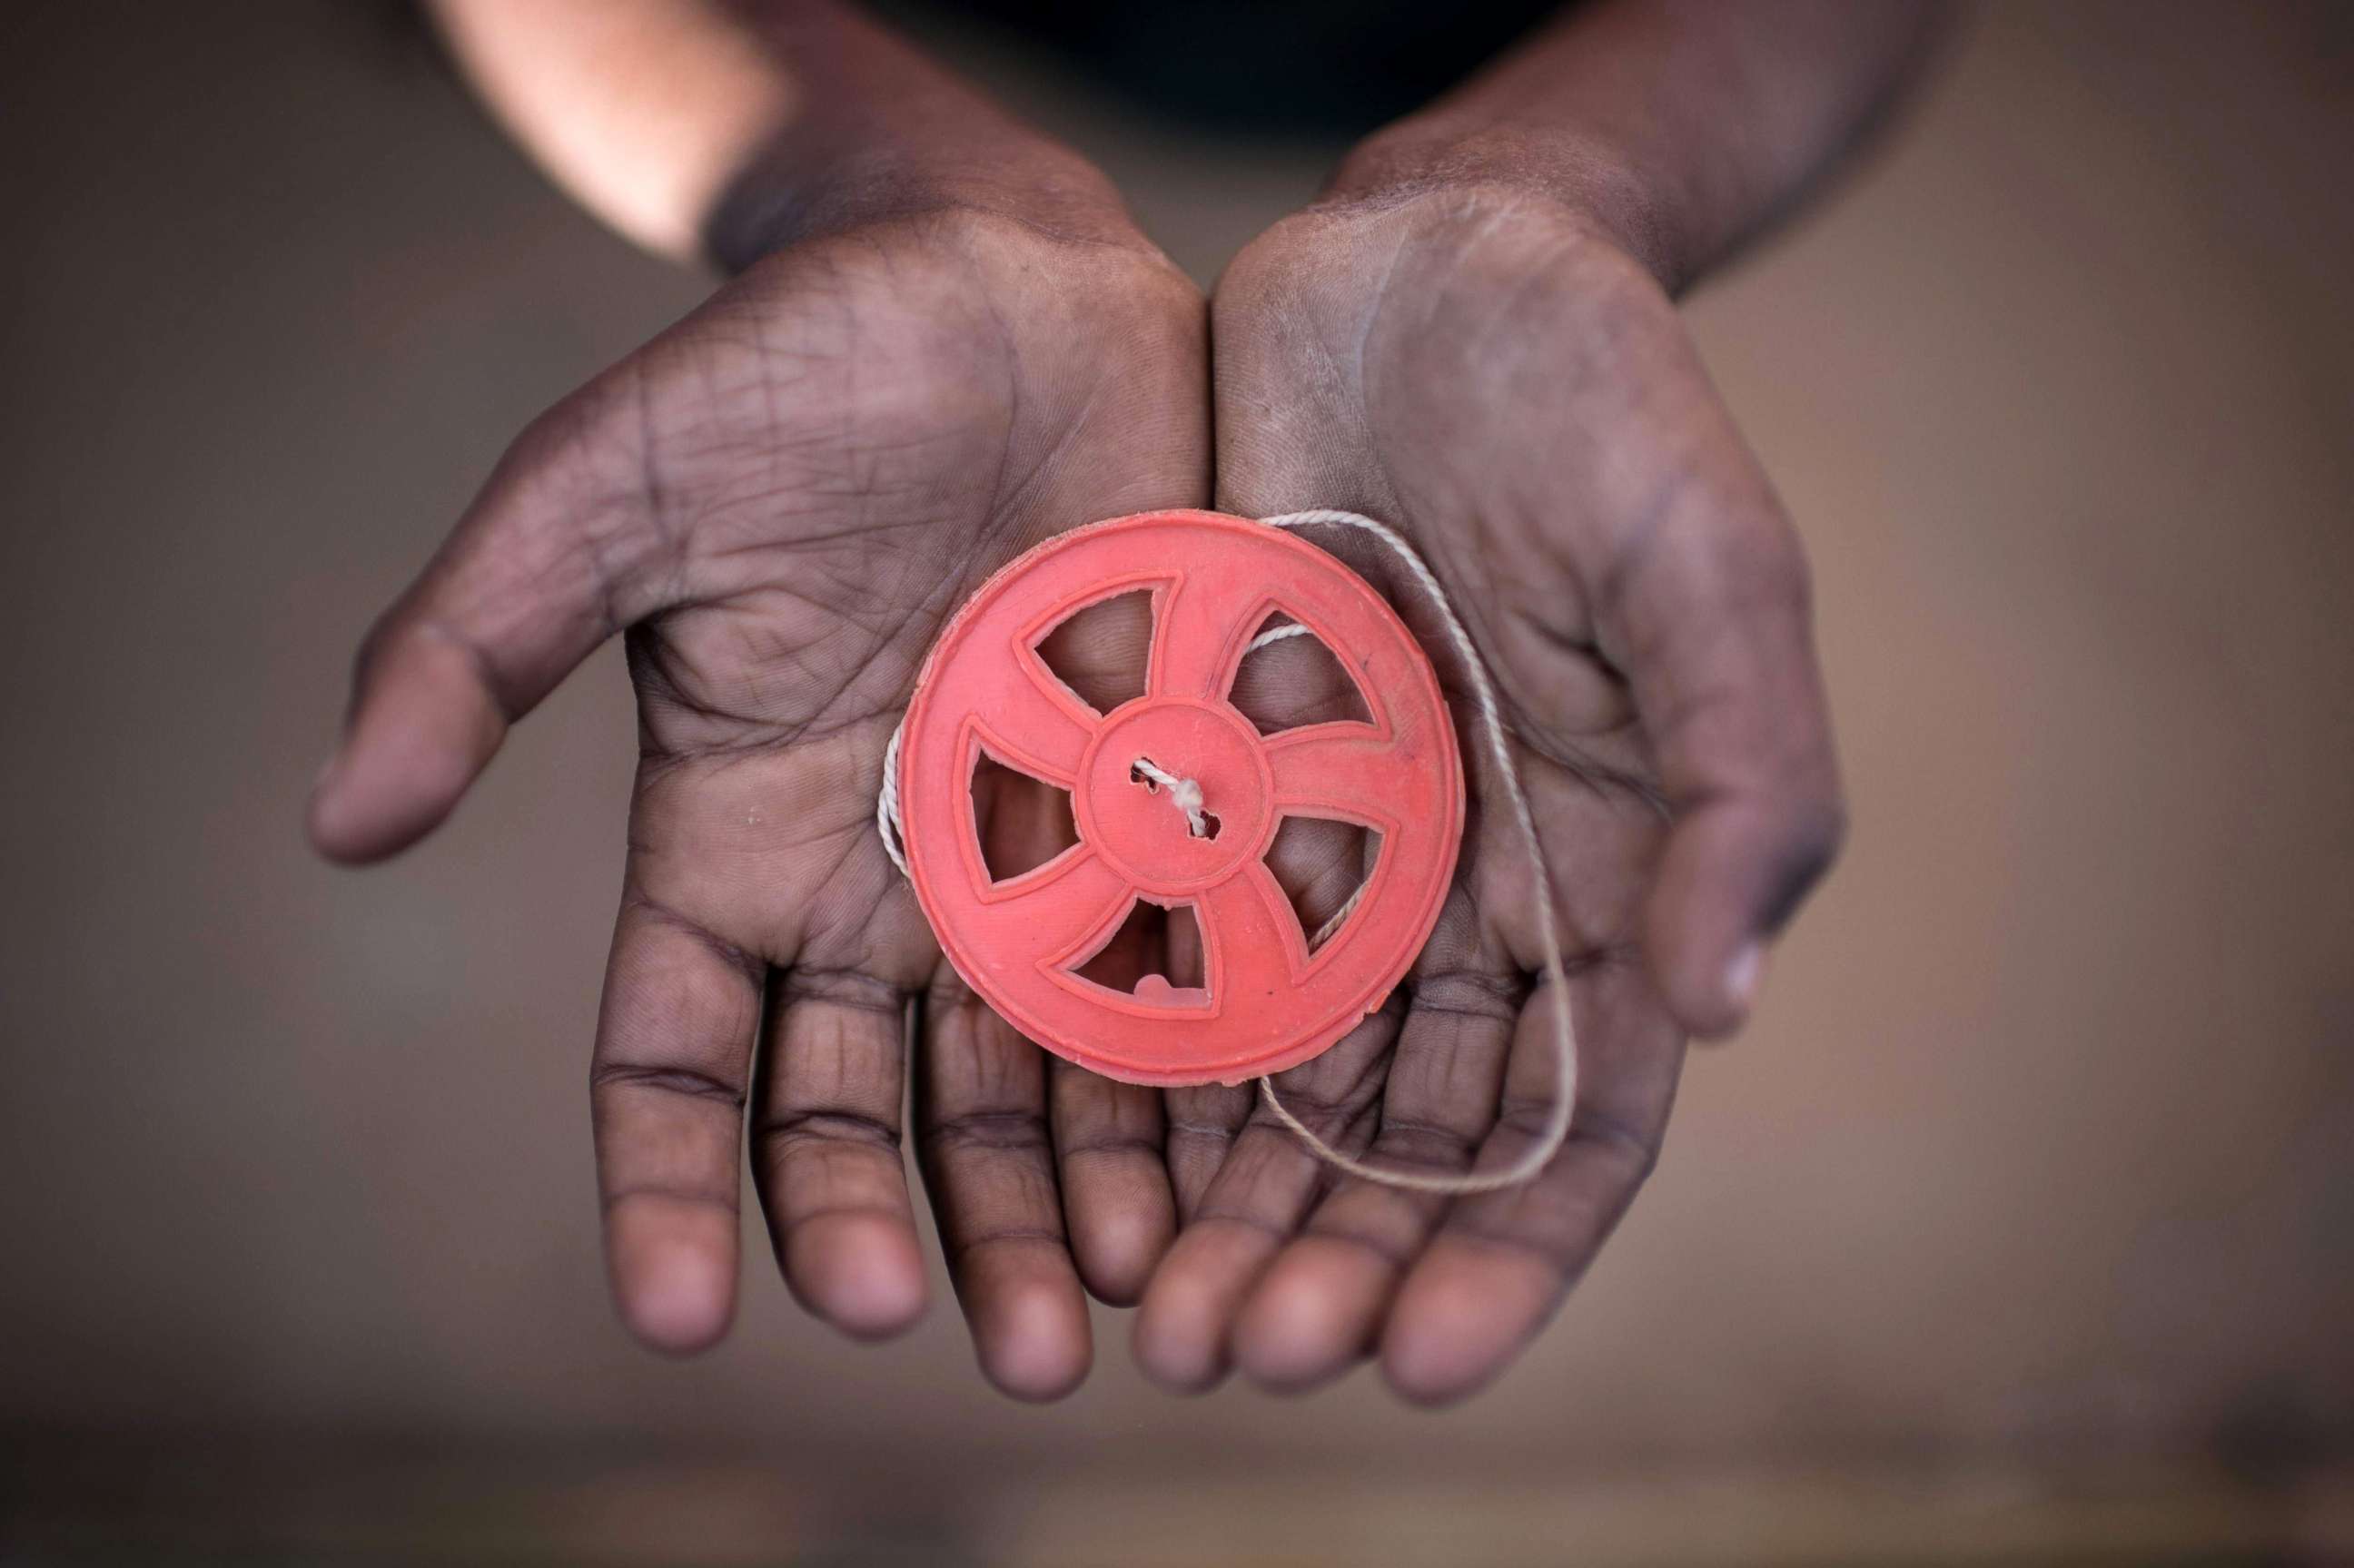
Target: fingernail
1744	974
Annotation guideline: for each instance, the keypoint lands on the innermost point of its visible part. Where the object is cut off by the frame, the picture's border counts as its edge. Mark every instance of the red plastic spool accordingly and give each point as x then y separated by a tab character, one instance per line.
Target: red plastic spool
1267	1004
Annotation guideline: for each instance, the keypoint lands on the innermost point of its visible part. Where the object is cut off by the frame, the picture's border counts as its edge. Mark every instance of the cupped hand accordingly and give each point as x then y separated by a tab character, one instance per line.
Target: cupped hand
1486	370
777	502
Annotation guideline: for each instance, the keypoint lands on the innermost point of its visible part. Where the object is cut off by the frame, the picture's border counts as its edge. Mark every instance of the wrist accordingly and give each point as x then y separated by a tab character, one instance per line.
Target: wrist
1594	183
1681	129
808	182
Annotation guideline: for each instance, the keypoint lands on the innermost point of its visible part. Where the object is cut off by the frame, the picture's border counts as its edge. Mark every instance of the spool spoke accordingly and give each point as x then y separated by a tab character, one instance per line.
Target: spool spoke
1347	770
1197	639
1254	938
1035	731
1047	915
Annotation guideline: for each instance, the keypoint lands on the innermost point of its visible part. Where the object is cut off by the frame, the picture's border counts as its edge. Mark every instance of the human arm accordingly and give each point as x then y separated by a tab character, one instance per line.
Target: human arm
944	341
1473	336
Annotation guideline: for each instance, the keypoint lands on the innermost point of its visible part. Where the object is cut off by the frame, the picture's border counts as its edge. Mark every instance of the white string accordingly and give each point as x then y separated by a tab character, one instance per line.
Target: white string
1274	634
1555	1132
886	804
1185	794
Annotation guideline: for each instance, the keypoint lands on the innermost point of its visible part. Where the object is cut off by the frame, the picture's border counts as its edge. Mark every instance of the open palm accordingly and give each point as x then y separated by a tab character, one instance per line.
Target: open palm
778	501
1484	371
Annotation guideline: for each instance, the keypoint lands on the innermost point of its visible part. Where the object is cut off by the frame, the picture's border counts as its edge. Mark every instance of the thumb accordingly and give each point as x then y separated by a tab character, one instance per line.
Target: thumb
1708	615
548	562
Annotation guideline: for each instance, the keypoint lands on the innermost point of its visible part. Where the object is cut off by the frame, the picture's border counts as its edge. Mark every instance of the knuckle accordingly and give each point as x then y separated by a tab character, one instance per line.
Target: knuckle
1470	993
1425	1141
1109	1143
672	1079
1633	1151
1808	840
778	1131
852	989
369	655
670	1192
1319	1107
1000	1130
1393	1251
1749	556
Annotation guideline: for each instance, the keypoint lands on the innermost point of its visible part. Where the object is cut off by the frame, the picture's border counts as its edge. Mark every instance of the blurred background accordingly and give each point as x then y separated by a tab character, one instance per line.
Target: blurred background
2019	1228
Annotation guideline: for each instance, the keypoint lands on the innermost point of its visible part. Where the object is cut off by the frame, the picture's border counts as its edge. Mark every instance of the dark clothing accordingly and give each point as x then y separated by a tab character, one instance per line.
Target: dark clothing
1328	66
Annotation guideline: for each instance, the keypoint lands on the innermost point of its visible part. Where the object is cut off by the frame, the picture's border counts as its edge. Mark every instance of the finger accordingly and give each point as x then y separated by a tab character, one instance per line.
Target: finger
825	1151
1116	1196
1260	1179
1264	1188
1501	1262
666	1094
1319	1309
1708	615
549	561
988	1166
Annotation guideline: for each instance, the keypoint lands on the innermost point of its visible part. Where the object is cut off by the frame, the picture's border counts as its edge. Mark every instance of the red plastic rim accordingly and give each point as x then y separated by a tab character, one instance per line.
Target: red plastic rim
1267	1002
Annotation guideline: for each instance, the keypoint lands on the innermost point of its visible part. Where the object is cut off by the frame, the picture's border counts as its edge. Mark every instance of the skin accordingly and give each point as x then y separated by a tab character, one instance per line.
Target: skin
947	341
1473	337
1640	601
777	503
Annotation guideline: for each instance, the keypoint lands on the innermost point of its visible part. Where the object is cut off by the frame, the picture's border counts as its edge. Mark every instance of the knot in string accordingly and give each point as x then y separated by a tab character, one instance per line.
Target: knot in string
1183	793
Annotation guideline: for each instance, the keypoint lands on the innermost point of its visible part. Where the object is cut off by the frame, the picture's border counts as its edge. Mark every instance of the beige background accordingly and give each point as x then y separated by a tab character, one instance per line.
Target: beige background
2039	1161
